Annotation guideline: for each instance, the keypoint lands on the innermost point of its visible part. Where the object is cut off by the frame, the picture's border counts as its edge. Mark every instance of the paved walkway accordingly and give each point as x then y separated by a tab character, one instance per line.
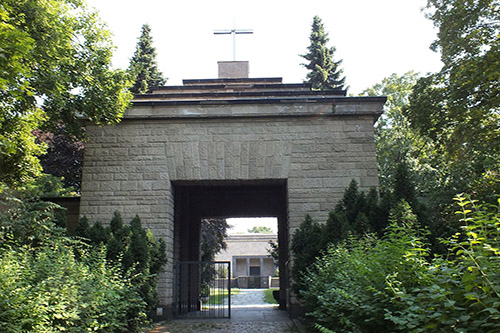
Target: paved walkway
249	314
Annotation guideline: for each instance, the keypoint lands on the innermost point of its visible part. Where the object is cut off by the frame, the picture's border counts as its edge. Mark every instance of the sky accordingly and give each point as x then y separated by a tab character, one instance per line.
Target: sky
373	38
241	225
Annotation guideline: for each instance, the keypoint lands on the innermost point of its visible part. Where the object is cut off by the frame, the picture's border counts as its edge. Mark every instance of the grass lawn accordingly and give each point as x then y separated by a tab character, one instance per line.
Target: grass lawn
268	296
217	296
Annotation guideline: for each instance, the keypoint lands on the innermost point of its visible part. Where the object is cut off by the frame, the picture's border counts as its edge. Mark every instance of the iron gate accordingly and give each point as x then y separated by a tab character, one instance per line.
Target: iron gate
203	289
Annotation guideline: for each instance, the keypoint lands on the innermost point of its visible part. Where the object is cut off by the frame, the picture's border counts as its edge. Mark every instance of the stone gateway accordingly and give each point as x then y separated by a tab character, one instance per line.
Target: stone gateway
229	147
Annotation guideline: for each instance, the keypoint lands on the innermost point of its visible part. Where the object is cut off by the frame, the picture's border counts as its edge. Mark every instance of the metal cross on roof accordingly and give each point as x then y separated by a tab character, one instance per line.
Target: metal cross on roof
234	32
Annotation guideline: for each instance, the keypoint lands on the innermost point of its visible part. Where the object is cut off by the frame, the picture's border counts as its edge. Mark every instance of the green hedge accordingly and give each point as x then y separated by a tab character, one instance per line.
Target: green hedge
47	289
50	282
138	253
389	284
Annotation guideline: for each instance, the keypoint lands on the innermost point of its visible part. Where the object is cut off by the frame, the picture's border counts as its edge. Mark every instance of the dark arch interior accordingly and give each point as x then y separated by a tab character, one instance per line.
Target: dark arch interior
197	200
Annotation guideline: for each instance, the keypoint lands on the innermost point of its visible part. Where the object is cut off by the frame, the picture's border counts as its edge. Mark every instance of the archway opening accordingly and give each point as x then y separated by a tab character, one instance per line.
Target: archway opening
195	201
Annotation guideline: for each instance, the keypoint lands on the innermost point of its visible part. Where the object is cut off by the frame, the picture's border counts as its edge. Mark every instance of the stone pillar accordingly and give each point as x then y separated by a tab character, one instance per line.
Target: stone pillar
261	266
248	266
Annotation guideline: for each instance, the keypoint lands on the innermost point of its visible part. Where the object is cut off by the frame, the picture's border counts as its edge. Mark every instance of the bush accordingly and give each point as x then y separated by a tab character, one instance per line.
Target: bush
463	293
49	282
134	249
355	215
28	222
344	286
306	245
388	284
47	289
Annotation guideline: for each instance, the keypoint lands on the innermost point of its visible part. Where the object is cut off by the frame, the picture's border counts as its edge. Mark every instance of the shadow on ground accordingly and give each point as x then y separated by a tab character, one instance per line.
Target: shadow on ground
249	314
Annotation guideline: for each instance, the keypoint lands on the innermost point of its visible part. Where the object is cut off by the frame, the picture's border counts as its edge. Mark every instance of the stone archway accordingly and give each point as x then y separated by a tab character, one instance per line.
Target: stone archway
190	145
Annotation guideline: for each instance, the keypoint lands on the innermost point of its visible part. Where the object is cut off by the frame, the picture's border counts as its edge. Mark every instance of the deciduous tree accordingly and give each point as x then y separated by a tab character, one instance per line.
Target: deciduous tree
63	158
55	57
213	232
396	141
260	230
458	108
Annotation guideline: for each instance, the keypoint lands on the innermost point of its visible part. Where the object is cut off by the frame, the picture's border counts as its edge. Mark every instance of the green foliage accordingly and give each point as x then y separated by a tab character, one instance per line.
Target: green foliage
389	284
47	186
63	158
274	250
52	283
458	107
55	59
412	164
325	73
27	222
344	286
260	230
403	184
135	250
396	141
82	228
463	292
116	223
18	162
97	234
143	65
355	214
306	245
213	232
47	290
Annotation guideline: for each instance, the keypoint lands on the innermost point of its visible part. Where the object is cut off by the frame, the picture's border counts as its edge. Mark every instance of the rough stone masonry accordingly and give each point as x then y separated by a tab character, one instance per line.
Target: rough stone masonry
234	129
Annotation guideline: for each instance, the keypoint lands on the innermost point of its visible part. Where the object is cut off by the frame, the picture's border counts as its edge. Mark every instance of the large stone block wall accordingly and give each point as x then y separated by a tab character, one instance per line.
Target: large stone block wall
129	167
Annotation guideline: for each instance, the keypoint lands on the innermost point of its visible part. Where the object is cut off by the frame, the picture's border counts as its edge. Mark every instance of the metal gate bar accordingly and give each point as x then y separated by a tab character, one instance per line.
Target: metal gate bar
203	289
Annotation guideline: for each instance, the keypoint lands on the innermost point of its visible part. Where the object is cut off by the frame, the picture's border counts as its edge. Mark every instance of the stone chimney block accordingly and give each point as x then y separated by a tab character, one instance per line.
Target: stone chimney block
233	69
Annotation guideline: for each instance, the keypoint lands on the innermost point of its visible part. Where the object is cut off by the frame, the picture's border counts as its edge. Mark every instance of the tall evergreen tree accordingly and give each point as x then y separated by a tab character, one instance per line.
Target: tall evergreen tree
325	73
306	245
143	65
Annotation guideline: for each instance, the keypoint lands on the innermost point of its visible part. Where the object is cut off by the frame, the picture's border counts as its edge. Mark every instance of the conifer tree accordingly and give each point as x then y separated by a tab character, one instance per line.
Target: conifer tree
306	245
143	65
116	222
403	184
82	228
98	234
325	73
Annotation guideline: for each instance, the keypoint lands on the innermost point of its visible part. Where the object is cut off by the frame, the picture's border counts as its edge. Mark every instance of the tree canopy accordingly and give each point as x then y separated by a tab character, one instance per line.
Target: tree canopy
213	232
143	64
260	230
55	57
458	108
396	141
63	158
325	73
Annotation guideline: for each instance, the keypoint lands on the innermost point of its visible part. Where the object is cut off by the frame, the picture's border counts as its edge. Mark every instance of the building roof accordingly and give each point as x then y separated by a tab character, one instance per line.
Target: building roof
248	97
246	245
234	91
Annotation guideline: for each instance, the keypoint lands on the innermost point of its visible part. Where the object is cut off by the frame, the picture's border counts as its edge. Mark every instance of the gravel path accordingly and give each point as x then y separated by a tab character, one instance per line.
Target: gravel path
249	297
249	314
